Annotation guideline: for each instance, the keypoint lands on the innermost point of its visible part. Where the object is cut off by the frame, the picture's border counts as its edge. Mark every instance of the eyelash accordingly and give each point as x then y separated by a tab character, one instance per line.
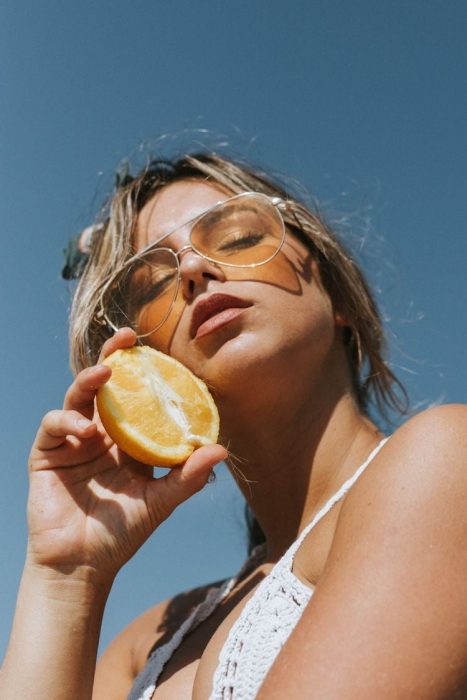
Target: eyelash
243	241
150	291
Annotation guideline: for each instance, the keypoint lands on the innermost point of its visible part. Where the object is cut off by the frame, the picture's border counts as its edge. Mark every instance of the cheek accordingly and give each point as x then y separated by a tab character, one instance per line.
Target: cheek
162	338
281	272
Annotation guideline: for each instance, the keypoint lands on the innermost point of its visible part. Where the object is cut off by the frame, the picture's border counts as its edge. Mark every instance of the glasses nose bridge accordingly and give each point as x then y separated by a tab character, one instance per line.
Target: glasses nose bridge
189	246
196	270
184	249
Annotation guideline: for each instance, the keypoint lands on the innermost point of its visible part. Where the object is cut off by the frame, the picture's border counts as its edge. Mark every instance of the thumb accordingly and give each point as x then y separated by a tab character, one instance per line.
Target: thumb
166	493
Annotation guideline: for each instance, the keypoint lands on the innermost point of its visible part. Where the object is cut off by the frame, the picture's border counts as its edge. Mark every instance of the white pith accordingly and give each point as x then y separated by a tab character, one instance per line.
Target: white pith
172	401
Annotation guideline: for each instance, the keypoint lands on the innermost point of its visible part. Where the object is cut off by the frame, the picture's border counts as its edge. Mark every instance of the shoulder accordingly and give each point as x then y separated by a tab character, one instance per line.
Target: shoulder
441	429
393	588
409	504
127	654
423	462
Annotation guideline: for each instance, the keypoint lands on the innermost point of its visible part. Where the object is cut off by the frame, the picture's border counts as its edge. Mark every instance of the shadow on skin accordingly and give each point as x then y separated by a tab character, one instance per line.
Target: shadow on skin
177	612
286	273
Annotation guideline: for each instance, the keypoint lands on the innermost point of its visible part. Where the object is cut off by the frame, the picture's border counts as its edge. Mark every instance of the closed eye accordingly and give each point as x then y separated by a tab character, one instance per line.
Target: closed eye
243	241
151	290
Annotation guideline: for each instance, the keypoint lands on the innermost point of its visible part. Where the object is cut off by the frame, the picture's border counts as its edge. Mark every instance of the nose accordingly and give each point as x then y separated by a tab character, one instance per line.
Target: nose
196	272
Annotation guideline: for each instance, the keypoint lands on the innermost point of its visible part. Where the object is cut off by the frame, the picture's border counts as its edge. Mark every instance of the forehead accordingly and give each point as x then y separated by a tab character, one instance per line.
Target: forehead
173	207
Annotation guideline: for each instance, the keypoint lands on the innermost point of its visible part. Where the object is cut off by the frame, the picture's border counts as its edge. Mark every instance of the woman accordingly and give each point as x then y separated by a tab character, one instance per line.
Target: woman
359	588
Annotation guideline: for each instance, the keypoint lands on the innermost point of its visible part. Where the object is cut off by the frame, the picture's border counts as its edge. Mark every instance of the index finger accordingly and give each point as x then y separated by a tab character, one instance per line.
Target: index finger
123	338
81	394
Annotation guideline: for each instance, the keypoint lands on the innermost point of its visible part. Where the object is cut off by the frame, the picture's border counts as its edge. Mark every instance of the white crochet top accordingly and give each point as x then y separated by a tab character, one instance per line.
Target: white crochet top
262	627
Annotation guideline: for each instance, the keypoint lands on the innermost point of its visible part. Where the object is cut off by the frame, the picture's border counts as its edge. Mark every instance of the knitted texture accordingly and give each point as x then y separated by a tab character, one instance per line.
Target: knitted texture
258	635
145	683
262	628
269	617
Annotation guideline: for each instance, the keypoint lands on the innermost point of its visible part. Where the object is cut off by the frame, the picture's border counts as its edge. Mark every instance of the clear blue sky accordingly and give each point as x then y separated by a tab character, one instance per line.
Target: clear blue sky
364	102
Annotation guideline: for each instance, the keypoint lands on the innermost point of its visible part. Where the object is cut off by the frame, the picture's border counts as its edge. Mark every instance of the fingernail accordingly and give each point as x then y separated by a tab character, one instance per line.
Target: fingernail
211	478
83	423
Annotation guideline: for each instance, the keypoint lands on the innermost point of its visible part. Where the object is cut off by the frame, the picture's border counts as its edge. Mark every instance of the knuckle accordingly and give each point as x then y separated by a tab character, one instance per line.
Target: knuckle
37	462
84	374
51	416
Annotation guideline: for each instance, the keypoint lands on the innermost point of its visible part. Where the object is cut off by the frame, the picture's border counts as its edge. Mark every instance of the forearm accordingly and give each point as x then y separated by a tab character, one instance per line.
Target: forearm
53	645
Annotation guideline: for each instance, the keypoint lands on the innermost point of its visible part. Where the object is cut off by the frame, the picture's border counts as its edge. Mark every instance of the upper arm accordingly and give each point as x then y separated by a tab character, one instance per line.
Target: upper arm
388	619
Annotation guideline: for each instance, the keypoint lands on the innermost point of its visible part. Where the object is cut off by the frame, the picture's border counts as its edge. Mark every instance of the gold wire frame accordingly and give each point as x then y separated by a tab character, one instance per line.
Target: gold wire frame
276	202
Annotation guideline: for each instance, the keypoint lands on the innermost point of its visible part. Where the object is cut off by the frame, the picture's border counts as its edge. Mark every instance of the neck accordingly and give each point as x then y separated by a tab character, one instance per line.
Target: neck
288	464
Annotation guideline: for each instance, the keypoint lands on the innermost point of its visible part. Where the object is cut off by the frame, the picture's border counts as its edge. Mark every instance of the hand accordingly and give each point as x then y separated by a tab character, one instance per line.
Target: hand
91	506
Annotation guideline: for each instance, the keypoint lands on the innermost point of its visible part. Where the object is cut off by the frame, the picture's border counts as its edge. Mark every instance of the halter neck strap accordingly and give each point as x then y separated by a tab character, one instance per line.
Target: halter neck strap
289	555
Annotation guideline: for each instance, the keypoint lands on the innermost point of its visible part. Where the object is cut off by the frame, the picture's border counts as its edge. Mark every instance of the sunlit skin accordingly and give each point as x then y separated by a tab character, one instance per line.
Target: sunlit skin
387	564
278	370
286	286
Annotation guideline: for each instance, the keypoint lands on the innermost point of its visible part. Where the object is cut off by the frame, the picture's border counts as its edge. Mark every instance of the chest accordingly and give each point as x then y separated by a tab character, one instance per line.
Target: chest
189	672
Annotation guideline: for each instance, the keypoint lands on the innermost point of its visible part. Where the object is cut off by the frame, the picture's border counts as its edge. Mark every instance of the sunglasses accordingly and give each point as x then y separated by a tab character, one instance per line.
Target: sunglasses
246	230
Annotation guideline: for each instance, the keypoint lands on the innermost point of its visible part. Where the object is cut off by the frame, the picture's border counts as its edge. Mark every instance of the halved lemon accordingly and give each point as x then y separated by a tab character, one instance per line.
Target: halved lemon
154	408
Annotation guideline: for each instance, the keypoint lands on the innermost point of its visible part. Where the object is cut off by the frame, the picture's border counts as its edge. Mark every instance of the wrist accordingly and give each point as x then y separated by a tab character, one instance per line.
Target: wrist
77	585
55	634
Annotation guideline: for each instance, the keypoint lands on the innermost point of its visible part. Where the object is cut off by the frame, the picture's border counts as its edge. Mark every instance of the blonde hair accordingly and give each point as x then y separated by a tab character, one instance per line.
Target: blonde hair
112	245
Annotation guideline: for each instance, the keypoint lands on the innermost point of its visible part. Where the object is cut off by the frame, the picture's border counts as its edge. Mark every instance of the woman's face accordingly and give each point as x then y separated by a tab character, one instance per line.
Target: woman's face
270	320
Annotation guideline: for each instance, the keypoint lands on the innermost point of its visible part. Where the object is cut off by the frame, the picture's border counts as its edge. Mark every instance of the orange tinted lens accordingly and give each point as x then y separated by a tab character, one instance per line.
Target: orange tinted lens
245	231
147	289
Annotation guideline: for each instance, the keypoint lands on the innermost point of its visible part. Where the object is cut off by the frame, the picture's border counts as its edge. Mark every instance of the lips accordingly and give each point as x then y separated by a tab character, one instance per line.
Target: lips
212	306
